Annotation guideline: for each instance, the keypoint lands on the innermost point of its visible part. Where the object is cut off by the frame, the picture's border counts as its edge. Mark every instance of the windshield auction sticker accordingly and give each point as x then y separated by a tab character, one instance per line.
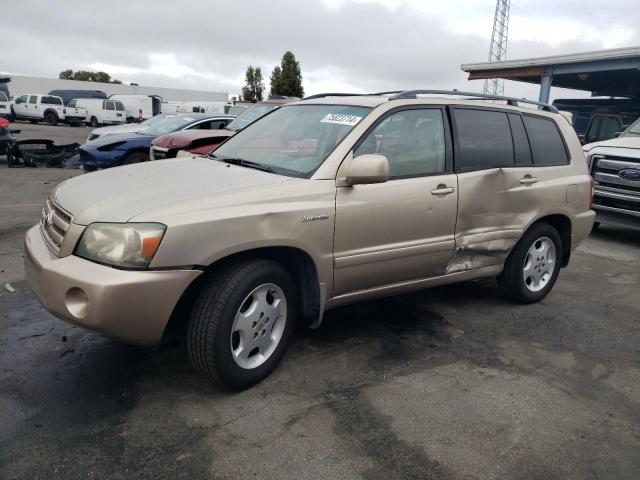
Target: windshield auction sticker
341	119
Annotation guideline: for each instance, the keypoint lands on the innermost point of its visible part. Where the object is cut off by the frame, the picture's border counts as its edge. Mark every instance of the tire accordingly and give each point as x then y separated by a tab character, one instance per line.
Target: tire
51	119
135	157
94	122
215	324
12	116
596	226
527	278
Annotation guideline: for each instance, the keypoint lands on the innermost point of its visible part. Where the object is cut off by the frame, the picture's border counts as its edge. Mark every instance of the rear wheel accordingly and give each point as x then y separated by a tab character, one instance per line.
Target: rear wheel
94	122
533	266
135	157
51	118
241	323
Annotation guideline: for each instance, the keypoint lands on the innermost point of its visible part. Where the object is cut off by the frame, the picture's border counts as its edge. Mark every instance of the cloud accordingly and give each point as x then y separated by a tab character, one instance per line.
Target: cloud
355	45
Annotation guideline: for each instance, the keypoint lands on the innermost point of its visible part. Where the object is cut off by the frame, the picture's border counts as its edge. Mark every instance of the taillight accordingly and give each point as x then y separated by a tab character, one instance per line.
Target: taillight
593	185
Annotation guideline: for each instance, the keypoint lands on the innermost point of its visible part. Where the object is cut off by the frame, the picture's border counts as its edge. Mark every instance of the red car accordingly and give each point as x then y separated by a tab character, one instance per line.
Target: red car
203	142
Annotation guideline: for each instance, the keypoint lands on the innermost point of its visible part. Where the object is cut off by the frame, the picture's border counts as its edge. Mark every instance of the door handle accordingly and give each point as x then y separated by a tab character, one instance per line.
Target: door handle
442	189
528	180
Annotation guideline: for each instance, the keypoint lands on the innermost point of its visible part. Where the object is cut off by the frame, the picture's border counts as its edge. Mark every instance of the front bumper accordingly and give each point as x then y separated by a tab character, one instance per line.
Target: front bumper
133	306
94	159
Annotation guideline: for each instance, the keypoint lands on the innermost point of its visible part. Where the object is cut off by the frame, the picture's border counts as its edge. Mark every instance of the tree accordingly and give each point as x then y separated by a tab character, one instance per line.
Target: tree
276	80
254	86
286	79
87	76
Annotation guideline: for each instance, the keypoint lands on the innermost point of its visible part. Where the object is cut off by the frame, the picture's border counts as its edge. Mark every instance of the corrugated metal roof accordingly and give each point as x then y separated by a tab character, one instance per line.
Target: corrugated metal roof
612	54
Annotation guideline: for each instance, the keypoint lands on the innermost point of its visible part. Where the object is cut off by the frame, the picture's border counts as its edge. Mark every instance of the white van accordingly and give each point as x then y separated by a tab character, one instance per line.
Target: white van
139	107
204	107
173	107
101	112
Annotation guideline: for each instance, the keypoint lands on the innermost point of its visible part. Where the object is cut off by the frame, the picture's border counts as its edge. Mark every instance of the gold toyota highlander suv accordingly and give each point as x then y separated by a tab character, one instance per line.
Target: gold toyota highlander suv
324	202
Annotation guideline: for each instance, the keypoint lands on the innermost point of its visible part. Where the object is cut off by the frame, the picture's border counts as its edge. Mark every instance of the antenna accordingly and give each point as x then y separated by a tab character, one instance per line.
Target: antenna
498	45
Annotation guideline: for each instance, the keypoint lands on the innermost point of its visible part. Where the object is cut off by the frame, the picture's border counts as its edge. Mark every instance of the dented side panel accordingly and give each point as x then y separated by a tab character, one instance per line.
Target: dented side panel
495	209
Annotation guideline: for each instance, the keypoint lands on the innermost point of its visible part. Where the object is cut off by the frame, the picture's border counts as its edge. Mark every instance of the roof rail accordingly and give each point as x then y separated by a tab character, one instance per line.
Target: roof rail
322	95
409	94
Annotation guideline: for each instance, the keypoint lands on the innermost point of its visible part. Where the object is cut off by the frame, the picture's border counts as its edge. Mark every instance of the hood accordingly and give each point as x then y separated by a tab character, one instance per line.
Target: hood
127	127
620	142
116	137
119	194
191	138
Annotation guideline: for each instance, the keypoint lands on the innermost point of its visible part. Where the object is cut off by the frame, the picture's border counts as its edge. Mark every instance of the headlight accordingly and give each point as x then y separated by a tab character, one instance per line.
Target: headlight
128	245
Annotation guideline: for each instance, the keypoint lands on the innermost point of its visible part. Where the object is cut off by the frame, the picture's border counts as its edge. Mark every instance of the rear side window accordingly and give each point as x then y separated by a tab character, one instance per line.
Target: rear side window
547	146
520	141
48	100
33	99
119	106
484	140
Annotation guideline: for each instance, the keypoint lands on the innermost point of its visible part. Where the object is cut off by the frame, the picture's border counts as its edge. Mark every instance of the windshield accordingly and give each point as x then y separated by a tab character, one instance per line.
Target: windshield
293	140
155	120
633	130
250	115
168	125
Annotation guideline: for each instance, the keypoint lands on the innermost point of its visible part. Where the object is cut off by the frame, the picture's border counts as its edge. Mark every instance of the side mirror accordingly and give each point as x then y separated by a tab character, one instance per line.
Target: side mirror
366	169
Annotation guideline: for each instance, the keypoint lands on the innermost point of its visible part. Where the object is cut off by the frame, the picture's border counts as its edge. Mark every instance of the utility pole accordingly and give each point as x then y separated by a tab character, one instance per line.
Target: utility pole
498	45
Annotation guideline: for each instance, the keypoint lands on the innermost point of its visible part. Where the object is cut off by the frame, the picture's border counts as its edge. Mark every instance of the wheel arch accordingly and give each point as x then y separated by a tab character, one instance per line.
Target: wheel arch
562	223
50	110
297	262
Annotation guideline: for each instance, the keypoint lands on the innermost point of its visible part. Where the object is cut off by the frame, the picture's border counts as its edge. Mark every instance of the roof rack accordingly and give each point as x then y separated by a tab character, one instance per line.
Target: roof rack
322	95
410	94
346	94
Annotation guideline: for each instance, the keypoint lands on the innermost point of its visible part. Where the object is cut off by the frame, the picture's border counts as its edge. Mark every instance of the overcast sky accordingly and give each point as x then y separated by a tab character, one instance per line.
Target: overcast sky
342	45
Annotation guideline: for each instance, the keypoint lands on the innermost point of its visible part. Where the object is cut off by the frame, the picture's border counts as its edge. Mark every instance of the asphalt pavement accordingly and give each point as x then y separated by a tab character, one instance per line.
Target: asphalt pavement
449	383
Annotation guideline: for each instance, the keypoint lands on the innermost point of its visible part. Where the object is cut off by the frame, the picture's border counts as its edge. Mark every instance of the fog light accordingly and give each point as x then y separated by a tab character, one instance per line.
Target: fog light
77	302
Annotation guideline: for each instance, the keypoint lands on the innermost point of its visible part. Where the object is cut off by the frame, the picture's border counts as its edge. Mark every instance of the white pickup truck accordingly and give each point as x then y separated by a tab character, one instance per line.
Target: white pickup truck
5	105
51	109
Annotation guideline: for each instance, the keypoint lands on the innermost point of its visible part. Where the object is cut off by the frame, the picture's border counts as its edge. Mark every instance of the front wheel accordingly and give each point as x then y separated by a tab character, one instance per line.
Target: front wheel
241	323
94	122
51	119
533	266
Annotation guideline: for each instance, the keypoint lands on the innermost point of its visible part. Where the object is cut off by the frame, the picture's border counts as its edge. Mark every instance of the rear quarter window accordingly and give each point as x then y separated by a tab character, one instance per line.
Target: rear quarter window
547	146
484	140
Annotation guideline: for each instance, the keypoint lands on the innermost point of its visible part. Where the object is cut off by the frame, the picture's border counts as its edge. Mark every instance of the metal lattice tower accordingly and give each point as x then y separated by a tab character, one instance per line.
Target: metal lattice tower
498	45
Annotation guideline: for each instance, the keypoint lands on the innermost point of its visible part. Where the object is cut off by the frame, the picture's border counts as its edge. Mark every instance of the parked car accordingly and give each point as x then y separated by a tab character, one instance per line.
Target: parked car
6	137
187	142
322	203
169	145
615	166
140	107
129	127
126	148
5	106
51	109
68	95
596	119
101	112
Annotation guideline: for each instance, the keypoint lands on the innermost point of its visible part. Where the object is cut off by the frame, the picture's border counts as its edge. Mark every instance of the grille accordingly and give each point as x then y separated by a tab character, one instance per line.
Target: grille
54	225
605	171
159	154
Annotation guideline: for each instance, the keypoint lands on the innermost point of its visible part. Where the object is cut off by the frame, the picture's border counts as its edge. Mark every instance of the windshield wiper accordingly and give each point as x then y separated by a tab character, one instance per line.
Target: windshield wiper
245	163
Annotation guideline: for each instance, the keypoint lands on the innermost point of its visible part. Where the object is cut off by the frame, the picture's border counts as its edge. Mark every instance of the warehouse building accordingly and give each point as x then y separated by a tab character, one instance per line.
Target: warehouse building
23	84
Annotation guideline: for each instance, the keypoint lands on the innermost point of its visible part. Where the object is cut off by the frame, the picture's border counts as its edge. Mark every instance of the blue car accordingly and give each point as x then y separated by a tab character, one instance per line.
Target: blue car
126	148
